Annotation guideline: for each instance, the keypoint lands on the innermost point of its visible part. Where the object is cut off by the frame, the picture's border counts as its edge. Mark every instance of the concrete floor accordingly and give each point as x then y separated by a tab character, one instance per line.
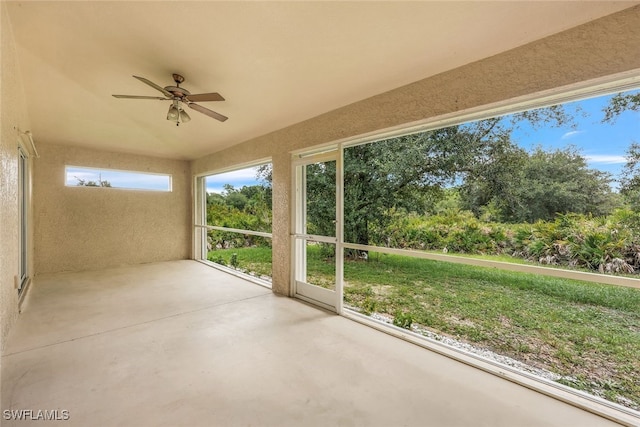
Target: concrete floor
182	344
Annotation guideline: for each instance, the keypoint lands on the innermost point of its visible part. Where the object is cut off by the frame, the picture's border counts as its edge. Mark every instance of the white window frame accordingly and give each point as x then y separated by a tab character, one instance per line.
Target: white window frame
200	226
100	170
23	209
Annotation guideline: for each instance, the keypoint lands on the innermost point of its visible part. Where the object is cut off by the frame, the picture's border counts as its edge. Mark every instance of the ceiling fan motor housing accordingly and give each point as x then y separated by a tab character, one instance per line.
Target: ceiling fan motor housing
177	91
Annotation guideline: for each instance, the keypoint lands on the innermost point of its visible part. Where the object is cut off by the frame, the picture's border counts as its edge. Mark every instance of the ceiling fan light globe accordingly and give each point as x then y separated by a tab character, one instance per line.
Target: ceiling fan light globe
184	117
173	114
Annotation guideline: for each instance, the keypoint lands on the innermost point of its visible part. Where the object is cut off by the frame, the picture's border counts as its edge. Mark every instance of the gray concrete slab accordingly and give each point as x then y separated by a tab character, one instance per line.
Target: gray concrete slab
182	344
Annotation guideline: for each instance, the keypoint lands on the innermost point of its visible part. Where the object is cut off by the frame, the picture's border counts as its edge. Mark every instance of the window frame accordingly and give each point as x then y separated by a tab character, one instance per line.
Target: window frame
169	188
200	226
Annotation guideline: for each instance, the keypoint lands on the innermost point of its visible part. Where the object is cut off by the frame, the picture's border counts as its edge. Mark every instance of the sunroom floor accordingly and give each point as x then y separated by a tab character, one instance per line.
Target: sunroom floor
181	343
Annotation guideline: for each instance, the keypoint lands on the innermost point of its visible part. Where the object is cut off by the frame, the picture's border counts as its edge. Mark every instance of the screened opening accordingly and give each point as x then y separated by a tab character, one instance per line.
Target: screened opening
556	186
237	218
76	176
454	233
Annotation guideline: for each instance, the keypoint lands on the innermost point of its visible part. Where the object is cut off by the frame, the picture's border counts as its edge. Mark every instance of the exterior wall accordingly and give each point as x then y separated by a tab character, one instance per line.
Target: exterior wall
597	49
14	118
87	228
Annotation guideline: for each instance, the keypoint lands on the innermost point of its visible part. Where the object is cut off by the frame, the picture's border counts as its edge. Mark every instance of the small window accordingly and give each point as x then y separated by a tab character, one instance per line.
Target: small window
91	177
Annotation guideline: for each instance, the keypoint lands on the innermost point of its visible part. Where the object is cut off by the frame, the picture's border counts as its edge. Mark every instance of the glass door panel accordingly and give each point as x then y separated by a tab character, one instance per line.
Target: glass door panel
315	231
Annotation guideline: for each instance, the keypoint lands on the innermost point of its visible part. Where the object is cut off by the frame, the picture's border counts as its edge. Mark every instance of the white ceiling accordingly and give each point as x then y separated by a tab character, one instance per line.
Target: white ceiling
276	63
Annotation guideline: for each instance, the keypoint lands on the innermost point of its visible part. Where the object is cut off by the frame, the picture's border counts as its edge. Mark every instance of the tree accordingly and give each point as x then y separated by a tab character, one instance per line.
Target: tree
560	181
630	180
411	173
526	187
246	208
99	183
234	198
620	103
406	173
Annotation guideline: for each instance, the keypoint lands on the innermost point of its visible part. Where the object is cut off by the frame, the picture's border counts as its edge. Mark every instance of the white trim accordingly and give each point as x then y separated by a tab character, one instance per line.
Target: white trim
328	155
24	209
33	144
241	275
316	238
315	303
33	151
199	215
339	255
328	299
236	167
235	230
99	169
315	293
200	251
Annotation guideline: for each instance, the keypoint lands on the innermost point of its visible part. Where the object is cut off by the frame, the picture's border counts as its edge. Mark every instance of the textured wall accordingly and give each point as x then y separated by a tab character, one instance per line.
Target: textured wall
85	228
597	49
13	114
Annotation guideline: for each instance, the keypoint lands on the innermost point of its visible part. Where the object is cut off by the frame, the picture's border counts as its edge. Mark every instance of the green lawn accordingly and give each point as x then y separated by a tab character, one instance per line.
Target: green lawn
586	332
253	260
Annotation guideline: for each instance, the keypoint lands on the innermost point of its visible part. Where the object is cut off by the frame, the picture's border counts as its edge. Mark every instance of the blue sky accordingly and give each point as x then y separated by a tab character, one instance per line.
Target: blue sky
238	179
602	144
119	179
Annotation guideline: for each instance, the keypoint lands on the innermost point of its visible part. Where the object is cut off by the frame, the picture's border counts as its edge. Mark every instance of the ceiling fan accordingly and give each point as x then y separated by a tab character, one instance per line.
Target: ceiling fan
178	95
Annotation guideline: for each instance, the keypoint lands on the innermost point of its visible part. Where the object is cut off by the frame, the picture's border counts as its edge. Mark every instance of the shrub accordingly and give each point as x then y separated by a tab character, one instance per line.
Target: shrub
606	244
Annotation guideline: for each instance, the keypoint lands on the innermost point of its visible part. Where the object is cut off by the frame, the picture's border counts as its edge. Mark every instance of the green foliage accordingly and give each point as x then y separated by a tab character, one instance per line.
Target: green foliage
321	198
217	258
254	260
620	103
517	186
99	183
630	180
248	208
403	320
606	244
234	260
457	231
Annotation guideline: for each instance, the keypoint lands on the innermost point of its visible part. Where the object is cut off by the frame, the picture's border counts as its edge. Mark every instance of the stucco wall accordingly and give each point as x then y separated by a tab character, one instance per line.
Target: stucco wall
597	49
87	228
14	118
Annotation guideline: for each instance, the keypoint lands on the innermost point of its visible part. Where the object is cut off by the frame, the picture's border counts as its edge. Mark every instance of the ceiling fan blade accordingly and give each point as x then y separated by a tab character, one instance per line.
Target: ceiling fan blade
208	112
203	97
140	97
155	86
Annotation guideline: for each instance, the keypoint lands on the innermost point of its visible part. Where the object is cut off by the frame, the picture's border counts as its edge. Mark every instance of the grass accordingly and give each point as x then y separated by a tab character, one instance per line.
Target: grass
252	260
588	333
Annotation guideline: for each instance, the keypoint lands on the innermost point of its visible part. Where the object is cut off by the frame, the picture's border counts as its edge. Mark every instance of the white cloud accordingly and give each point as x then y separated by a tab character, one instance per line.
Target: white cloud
216	189
606	158
572	134
119	179
239	175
